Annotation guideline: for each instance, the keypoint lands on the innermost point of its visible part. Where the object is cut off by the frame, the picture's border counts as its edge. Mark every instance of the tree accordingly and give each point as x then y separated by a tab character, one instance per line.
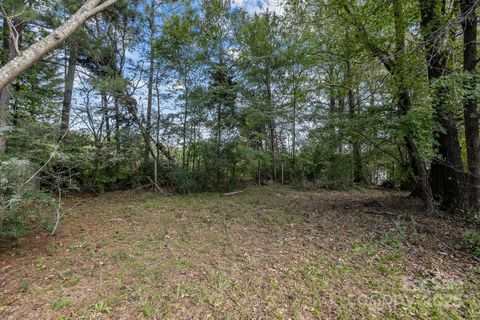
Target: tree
447	168
151	71
68	93
470	104
22	60
396	64
35	52
261	63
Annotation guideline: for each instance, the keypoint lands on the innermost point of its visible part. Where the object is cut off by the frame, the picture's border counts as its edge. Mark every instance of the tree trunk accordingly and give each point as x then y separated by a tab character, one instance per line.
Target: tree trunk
332	98
5	91
184	128
340	114
157	138
357	157
447	169
68	93
294	129
148	126
116	105
271	127
404	104
469	25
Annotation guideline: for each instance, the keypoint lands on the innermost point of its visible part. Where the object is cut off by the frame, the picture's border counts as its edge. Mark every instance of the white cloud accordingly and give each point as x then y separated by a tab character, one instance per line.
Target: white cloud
253	6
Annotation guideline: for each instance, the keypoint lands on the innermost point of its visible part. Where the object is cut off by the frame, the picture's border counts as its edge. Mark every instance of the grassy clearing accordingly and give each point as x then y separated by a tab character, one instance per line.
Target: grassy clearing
269	253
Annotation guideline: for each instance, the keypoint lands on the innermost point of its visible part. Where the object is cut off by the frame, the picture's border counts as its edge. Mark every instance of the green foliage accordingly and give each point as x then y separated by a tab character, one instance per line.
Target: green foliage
148	310
21	205
238	95
418	123
24	211
102	307
61	304
471	242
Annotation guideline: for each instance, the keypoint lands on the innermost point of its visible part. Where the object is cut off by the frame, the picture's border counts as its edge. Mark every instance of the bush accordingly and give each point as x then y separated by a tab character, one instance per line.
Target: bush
21	204
471	242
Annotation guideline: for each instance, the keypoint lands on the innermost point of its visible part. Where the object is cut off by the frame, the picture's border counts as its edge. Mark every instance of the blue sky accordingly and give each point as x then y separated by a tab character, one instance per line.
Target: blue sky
169	106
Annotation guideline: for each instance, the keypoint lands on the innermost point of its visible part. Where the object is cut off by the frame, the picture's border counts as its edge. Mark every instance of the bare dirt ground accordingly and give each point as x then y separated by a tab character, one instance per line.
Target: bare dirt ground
266	253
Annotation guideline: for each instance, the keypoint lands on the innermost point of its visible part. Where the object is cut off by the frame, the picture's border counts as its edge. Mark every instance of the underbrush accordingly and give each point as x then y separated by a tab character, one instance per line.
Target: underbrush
471	243
21	204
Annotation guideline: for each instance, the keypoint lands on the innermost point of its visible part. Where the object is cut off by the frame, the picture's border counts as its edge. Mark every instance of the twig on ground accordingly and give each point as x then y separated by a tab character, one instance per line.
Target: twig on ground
136	189
232	193
461	252
383	213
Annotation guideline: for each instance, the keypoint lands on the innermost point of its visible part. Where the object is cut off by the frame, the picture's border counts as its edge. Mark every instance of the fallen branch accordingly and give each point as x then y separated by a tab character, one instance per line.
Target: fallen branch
128	192
383	213
461	252
232	193
156	185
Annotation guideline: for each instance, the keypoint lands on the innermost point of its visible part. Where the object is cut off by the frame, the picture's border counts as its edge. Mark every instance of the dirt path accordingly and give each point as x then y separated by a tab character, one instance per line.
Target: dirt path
266	253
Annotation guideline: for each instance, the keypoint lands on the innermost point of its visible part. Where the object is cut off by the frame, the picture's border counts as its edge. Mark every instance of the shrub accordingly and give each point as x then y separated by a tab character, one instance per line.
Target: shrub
471	242
21	205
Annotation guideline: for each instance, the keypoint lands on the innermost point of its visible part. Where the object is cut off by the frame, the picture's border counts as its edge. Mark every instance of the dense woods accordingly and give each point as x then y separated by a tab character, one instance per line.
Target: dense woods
198	97
207	96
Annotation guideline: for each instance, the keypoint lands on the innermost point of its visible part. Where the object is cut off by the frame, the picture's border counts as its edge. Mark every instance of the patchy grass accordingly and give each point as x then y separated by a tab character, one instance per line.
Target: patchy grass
270	253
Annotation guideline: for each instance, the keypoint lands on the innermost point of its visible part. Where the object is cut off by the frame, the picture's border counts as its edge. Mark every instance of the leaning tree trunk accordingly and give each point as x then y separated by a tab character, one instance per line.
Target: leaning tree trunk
17	65
36	51
396	67
470	112
404	104
447	169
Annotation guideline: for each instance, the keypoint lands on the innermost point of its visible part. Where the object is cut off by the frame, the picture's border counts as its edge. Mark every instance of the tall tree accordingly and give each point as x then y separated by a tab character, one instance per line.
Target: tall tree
352	109
396	64
447	168
68	92
260	58
470	104
151	71
24	59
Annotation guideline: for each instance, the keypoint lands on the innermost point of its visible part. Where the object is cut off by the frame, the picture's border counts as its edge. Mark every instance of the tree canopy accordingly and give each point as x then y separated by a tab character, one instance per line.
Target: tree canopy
211	95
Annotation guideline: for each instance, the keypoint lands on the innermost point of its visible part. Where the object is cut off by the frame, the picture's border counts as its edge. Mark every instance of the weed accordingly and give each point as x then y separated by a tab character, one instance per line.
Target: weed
102	307
40	264
148	310
223	282
61	303
471	243
390	241
24	286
